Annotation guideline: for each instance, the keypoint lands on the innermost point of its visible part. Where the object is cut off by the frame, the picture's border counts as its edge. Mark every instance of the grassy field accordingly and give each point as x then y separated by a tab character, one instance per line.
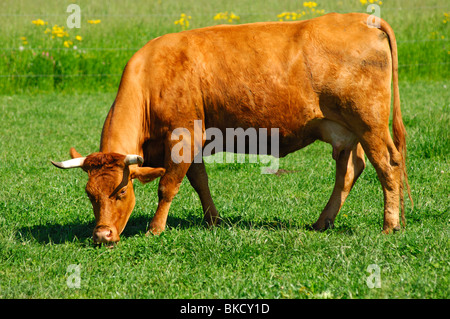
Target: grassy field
265	248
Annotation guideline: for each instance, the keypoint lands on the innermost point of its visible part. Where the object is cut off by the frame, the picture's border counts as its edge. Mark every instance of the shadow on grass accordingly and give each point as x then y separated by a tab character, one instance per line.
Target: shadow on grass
82	231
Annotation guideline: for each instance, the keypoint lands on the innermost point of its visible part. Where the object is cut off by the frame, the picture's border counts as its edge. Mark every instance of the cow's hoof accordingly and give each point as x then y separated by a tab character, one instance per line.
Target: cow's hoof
388	230
213	221
153	230
323	225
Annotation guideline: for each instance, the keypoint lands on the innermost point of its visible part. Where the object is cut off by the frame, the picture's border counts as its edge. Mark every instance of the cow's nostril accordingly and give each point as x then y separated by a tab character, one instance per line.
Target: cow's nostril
103	236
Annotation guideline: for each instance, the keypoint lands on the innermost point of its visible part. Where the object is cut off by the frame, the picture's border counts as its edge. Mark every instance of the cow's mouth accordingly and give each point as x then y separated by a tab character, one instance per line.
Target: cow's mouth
105	235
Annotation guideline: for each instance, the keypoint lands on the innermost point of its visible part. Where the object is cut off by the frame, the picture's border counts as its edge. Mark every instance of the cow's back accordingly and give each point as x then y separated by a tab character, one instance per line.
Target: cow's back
269	74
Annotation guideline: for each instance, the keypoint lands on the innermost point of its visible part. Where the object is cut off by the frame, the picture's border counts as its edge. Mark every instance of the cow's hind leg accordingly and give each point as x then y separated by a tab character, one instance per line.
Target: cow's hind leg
349	166
199	180
386	159
371	125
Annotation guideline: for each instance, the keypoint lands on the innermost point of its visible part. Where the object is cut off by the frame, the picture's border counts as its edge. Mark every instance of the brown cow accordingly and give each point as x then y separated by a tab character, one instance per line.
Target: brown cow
327	78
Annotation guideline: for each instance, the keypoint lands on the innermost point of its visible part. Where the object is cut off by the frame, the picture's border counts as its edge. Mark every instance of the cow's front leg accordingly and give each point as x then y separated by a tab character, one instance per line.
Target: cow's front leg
176	166
199	180
349	165
168	187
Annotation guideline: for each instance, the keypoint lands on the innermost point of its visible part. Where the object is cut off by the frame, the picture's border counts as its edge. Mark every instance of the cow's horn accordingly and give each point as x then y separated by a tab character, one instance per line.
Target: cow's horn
72	163
133	159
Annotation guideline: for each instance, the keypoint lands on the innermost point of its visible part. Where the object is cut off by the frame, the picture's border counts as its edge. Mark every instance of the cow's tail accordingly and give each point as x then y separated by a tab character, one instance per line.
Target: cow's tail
398	127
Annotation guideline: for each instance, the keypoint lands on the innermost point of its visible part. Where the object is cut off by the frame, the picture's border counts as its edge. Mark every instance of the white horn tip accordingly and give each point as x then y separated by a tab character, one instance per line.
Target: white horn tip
58	164
72	163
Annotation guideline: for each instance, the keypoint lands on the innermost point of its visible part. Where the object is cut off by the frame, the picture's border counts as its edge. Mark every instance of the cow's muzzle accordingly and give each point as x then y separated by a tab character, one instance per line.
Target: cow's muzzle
105	235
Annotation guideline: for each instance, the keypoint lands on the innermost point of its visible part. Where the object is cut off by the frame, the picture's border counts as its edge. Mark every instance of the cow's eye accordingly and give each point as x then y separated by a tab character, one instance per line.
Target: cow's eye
122	192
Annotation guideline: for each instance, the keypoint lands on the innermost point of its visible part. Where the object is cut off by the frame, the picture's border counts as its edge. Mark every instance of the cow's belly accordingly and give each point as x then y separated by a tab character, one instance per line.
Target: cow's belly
292	120
270	139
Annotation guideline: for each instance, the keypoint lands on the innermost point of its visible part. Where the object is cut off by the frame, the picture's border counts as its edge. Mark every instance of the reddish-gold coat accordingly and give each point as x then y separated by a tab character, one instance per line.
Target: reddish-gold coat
327	78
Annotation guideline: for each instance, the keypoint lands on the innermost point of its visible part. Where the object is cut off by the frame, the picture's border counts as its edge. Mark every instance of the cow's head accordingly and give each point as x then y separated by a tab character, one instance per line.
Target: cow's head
110	188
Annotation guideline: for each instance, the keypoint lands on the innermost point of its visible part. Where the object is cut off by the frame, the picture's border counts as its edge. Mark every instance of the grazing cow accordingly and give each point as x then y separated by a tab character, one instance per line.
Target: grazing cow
327	78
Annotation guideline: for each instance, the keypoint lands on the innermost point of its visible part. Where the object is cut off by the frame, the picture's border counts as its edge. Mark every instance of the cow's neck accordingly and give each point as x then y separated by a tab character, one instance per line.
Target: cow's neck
122	132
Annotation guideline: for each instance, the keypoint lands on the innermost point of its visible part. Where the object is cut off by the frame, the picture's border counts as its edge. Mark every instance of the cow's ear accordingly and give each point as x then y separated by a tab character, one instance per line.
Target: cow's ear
146	174
74	153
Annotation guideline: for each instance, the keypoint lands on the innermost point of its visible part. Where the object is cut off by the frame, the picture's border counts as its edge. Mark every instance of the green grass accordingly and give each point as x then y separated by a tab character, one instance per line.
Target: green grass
265	248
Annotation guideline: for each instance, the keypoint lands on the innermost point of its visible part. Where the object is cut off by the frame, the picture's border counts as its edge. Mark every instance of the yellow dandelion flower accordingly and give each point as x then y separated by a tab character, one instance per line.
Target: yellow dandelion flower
183	21
78	37
39	22
447	17
94	21
310	4
23	38
67	44
57	32
234	17
229	17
